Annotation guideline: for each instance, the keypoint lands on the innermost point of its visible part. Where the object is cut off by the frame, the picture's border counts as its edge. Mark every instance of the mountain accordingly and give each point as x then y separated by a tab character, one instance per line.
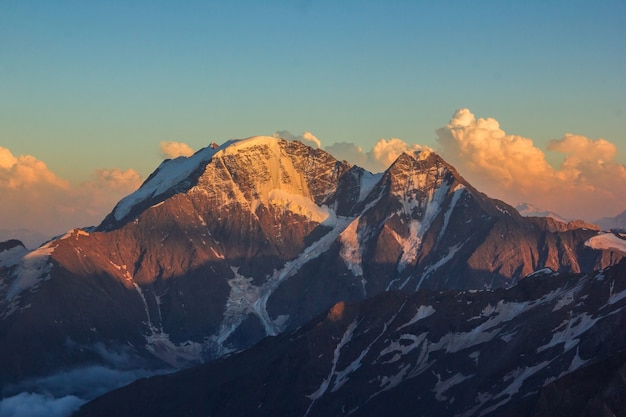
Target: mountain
251	239
528	210
551	345
617	222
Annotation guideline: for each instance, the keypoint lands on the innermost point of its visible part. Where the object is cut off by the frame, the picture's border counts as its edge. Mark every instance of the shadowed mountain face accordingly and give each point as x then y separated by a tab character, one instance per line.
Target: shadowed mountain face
255	238
551	345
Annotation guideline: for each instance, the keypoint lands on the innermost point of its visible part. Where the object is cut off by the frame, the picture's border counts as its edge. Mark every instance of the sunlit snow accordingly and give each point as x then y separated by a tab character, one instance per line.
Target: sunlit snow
606	241
33	268
169	174
422	312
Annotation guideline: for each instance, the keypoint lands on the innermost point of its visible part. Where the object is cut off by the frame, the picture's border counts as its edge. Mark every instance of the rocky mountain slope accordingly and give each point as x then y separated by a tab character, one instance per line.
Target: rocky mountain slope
254	238
551	345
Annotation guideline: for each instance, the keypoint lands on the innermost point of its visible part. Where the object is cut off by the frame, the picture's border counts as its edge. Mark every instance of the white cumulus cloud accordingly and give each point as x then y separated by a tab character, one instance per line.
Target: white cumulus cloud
385	152
307	138
589	182
35	198
379	158
26	171
170	150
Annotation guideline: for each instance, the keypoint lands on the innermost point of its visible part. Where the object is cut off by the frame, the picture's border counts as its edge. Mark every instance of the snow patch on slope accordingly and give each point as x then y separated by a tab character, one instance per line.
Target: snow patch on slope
241	301
422	312
157	340
245	297
303	206
607	241
169	174
12	257
443	386
33	268
569	331
351	251
417	229
367	183
347	335
457	192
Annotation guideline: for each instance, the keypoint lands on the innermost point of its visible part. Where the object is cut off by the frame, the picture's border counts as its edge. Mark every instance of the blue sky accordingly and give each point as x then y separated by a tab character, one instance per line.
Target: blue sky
87	85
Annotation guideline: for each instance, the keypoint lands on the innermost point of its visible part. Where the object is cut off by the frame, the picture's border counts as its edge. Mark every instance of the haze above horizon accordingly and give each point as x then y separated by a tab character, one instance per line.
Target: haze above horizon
91	90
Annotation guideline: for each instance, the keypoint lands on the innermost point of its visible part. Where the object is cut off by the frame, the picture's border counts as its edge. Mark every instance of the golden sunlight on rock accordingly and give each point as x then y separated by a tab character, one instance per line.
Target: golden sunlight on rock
336	313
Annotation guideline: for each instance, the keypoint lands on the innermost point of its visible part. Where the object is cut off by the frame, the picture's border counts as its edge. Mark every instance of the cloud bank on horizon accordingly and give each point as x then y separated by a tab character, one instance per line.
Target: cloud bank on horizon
588	184
35	198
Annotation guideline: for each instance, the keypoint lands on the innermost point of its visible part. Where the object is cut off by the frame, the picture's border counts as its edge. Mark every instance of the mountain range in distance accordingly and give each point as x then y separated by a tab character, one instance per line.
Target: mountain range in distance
263	237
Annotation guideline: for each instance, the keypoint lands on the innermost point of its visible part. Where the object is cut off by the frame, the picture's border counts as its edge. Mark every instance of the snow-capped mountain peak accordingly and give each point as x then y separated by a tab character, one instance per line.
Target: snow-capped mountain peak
256	237
252	171
420	154
170	174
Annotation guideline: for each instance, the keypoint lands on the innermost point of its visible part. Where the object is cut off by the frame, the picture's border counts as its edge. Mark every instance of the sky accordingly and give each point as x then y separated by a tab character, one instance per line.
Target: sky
525	98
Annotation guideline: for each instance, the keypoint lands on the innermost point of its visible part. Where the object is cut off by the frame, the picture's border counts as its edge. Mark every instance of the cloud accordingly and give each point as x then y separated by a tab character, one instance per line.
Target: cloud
25	172
347	151
379	158
587	184
27	404
60	394
385	152
170	150
35	198
7	160
91	200
307	138
586	158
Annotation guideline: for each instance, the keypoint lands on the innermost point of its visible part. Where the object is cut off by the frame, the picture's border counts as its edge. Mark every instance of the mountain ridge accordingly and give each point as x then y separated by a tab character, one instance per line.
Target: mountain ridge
484	353
255	238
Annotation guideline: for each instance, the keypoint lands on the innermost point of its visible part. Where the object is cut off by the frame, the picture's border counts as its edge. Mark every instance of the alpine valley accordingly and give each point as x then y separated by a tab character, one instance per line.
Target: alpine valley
277	280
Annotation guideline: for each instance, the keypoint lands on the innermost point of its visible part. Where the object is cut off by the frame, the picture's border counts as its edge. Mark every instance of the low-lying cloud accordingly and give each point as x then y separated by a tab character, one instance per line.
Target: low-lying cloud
29	404
59	395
